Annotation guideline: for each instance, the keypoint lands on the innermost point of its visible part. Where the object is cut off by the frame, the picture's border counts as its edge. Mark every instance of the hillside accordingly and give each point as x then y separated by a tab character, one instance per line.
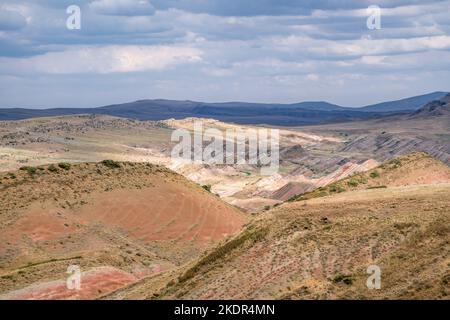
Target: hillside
91	138
320	248
299	184
119	221
408	104
436	108
426	129
417	168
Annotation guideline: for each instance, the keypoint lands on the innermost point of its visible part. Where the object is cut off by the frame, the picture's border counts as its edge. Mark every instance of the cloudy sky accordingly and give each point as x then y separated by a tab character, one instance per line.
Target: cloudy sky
221	50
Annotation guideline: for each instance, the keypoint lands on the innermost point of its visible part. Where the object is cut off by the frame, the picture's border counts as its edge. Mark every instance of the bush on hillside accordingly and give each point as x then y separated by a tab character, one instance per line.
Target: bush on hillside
64	165
111	164
30	170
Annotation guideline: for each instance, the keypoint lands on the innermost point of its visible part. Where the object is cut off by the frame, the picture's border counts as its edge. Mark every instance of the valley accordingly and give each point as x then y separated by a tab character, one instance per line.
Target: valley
102	193
217	158
320	245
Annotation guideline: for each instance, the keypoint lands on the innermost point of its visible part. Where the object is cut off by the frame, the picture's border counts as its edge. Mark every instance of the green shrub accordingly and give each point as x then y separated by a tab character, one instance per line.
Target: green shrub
335	188
111	164
207	187
374	174
52	168
30	170
343	278
396	163
352	183
64	165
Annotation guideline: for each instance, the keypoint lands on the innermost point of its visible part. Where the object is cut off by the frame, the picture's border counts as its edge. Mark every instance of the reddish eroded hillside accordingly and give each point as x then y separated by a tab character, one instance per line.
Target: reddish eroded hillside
321	247
417	168
136	218
300	184
94	282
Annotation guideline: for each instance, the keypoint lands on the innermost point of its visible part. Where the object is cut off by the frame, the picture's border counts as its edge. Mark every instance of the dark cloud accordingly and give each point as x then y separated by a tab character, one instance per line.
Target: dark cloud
11	20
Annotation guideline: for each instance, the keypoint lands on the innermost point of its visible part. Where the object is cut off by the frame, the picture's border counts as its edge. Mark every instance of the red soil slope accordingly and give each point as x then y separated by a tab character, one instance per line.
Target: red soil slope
127	219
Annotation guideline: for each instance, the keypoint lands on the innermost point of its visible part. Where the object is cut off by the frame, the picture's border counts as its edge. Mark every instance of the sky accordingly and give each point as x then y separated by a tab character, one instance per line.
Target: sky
281	51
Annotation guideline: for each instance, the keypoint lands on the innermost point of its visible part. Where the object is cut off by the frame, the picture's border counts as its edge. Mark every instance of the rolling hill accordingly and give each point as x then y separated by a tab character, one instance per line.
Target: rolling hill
426	129
435	108
118	221
320	246
408	104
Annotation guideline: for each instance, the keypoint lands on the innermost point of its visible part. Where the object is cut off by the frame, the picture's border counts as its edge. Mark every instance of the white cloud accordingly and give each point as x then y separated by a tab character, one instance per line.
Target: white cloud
217	72
122	7
105	59
363	46
313	77
372	60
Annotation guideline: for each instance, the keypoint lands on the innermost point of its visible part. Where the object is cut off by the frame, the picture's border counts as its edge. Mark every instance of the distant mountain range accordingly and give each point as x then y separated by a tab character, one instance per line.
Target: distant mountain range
304	113
435	108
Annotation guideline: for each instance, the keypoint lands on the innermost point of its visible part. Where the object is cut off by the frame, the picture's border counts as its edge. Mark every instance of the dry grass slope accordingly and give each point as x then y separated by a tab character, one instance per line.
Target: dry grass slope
119	221
320	248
